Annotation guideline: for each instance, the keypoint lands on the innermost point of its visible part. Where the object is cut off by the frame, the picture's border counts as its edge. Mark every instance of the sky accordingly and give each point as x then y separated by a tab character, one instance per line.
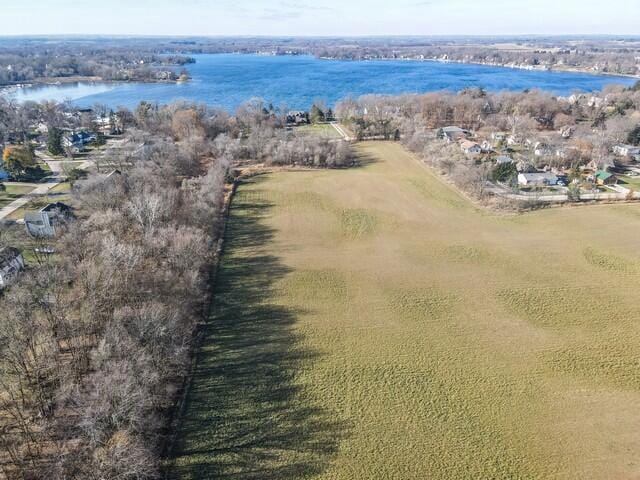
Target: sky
320	17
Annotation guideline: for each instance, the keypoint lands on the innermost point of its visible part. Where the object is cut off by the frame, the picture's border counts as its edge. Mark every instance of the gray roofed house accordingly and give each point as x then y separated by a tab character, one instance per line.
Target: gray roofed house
43	223
11	264
78	140
537	178
453	133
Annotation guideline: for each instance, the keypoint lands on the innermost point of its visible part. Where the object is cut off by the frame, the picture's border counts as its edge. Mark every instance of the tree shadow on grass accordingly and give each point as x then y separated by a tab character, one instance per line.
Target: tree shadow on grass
246	418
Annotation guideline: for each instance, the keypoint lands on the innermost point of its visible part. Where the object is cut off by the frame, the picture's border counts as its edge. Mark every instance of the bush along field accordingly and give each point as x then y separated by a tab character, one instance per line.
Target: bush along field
371	323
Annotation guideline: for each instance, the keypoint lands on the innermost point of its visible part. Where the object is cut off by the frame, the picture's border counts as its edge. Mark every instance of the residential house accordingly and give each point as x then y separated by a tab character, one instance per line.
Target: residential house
486	147
453	134
605	178
537	179
470	148
11	264
297	118
77	142
42	224
626	150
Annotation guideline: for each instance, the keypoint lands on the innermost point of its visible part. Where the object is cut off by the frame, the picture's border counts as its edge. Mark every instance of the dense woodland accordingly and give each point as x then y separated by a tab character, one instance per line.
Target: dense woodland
96	340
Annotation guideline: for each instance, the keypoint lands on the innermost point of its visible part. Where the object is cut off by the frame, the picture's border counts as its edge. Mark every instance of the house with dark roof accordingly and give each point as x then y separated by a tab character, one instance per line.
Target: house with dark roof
77	141
453	134
11	264
42	224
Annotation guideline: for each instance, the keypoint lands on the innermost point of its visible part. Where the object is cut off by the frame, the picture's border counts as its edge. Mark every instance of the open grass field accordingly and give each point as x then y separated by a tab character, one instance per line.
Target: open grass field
320	130
373	324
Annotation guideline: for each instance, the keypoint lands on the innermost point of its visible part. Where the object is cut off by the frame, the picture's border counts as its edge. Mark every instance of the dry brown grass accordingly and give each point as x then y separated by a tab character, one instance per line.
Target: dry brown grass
432	339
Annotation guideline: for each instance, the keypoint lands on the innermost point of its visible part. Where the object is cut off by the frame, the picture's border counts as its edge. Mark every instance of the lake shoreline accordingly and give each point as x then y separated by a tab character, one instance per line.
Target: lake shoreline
529	68
226	81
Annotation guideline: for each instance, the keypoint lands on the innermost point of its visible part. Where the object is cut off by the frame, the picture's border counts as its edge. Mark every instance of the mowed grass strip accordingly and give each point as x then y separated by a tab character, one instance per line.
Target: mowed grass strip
371	323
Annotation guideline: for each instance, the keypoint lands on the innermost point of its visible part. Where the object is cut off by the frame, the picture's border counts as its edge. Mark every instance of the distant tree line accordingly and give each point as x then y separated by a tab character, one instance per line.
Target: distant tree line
22	63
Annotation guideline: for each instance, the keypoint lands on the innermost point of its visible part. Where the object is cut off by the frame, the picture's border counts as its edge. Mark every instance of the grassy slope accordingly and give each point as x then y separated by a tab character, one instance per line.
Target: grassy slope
371	323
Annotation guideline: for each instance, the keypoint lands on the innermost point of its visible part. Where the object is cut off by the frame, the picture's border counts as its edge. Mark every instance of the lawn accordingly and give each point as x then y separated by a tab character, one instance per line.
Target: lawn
59	193
320	130
372	324
630	182
13	192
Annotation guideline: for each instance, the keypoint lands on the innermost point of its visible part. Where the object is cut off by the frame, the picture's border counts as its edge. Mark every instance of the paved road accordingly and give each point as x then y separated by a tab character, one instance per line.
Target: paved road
40	189
341	131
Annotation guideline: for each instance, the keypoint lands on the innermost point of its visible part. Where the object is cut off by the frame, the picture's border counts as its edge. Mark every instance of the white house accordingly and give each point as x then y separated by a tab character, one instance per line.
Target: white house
537	179
11	264
626	150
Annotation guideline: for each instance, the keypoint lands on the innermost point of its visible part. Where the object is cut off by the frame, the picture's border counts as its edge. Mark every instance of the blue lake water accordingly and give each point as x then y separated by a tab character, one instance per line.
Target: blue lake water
296	81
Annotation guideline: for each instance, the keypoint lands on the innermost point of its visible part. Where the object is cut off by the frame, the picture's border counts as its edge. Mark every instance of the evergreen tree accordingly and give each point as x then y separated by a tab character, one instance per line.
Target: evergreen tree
634	136
54	141
316	115
504	172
